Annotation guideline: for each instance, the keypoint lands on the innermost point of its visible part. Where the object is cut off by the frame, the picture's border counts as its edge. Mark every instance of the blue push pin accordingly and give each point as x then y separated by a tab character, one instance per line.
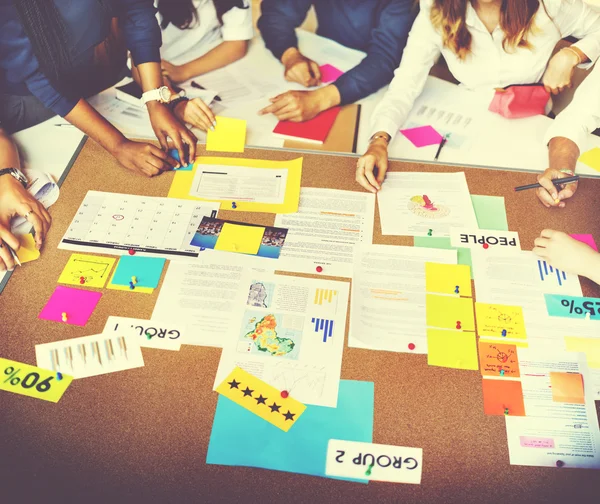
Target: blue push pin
456	290
504	333
58	376
233	205
202	248
131	285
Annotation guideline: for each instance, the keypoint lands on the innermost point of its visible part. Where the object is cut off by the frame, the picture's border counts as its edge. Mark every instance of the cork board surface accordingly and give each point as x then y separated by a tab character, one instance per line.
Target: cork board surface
142	435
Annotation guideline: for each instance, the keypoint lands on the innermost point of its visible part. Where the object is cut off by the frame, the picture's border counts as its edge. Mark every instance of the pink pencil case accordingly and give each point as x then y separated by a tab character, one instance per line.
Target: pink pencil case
518	101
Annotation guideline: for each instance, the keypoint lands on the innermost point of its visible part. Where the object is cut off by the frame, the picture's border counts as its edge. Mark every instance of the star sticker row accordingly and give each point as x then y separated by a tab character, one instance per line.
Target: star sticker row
258	396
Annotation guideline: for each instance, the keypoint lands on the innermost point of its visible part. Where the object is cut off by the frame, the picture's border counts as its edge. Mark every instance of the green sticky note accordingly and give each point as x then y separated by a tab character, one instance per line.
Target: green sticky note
490	212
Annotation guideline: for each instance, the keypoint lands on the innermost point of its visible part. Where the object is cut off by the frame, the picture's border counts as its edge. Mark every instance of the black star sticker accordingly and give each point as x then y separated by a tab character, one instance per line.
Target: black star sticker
289	416
247	392
260	400
274	408
233	384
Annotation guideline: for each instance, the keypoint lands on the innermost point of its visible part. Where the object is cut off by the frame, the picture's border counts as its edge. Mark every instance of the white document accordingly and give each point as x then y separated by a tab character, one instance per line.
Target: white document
289	332
388	297
415	204
112	223
498	241
374	462
240	183
325	232
90	355
162	334
553	432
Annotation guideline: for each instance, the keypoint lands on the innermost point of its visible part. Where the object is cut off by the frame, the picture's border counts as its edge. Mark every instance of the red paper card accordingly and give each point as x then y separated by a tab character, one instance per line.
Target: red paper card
502	395
77	304
315	130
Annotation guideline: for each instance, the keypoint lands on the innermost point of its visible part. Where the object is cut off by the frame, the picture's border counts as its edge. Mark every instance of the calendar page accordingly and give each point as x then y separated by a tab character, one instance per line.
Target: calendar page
114	223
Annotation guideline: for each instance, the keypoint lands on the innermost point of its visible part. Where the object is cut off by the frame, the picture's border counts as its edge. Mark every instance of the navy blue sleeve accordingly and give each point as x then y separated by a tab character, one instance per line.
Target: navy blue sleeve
141	30
384	52
278	22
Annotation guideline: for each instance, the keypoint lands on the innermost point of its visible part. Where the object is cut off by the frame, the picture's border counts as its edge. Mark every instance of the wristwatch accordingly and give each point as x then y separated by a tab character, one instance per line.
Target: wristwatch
16	173
161	95
385	136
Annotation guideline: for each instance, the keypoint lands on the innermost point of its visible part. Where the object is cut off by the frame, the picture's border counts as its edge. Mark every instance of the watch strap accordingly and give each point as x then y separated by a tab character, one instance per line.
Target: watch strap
173	103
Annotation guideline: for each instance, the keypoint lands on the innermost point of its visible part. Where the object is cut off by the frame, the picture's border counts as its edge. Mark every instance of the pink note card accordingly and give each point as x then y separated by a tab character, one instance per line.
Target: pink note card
536	442
77	304
588	239
329	73
422	136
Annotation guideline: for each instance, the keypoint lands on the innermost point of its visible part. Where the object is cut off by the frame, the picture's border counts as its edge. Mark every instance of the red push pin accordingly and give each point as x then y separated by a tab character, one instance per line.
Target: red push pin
411	346
319	269
131	252
559	463
285	394
486	246
458	326
81	280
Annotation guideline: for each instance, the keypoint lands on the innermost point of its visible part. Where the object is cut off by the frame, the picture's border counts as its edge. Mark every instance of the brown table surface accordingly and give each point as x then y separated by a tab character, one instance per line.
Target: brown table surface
142	435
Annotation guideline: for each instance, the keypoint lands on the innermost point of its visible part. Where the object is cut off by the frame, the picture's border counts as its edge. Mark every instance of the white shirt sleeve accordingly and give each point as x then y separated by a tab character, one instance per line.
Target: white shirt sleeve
237	23
582	115
579	20
420	54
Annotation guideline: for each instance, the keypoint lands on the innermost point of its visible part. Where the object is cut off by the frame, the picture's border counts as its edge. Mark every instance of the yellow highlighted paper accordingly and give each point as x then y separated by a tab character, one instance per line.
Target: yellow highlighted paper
261	399
240	239
139	290
95	270
182	183
452	349
27	251
32	381
492	319
445	278
567	387
229	135
591	158
589	346
445	312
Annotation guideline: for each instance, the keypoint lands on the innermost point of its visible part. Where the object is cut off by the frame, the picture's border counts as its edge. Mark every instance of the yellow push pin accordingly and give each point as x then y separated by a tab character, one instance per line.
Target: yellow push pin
64	317
134	280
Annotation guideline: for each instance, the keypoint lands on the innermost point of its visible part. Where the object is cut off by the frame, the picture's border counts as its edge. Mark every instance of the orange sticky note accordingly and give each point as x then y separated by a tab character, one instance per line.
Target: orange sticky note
498	359
567	387
503	397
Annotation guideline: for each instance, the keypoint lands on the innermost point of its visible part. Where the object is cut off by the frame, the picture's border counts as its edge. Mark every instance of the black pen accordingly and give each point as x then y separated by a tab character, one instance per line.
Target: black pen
198	86
442	143
556	182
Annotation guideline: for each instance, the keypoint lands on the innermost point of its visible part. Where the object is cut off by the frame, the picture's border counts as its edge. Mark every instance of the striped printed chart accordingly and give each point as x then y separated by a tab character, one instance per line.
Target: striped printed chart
325	296
323	326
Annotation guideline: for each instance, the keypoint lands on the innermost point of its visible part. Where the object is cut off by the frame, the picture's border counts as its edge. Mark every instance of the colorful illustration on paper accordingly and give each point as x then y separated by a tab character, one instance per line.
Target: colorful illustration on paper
422	206
271	334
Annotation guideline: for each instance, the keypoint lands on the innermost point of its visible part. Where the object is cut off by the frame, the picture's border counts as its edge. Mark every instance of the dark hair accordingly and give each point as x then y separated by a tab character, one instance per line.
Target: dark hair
183	14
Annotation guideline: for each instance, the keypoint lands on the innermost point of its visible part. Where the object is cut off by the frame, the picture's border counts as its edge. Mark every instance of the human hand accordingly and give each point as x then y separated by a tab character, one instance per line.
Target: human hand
549	194
175	73
568	254
295	106
166	125
197	113
300	69
16	200
559	72
144	158
376	157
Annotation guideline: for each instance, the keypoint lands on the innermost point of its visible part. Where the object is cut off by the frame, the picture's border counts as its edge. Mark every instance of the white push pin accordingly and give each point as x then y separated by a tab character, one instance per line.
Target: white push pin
587	316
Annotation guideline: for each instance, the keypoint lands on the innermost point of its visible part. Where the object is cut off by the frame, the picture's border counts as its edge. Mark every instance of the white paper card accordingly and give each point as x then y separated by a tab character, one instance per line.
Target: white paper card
161	334
479	238
377	462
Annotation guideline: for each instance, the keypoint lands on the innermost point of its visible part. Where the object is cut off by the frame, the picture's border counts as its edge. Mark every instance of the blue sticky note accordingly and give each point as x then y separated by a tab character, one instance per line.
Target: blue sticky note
572	306
240	438
174	153
147	271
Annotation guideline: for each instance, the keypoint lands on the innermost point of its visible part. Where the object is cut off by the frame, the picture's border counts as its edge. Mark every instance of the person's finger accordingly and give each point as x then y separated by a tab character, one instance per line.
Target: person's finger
148	169
275	106
541	241
382	166
162	140
46	216
567	191
6	258
301	74
540	252
198	119
9	239
545	198
362	180
316	71
291	114
368	167
190	139
178	141
371	178
546	183
547	233
38	228
166	162
206	110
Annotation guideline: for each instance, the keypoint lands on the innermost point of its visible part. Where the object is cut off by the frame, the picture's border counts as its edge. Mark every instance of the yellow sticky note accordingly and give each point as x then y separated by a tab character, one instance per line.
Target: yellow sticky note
139	290
591	158
182	183
94	270
452	349
448	279
449	312
494	319
567	387
589	346
32	381
27	251
229	135
239	238
261	399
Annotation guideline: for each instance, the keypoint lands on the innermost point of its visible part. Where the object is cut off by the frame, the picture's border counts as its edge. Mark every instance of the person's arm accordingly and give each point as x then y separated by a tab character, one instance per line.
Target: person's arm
16	200
384	52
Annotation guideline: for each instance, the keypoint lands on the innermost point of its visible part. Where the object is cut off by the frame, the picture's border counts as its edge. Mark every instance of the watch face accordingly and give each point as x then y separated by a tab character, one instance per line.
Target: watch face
165	94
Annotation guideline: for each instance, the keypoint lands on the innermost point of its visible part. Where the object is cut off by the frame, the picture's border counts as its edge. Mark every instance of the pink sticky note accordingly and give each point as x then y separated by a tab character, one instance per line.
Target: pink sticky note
329	73
422	136
78	305
588	239
536	442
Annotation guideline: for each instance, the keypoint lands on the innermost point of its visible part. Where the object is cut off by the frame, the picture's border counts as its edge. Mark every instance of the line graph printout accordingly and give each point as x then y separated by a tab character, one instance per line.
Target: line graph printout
114	223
